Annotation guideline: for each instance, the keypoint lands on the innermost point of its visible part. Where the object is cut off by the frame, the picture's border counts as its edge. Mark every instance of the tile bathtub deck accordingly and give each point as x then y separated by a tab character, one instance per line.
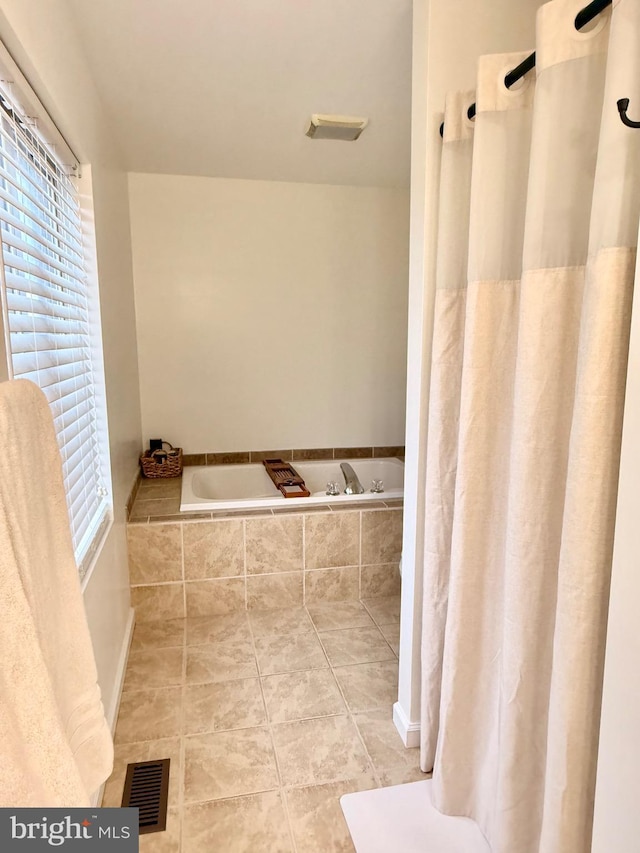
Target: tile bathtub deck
269	717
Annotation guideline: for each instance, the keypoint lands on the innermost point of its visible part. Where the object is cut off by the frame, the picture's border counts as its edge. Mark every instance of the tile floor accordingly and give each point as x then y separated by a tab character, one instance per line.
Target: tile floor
269	717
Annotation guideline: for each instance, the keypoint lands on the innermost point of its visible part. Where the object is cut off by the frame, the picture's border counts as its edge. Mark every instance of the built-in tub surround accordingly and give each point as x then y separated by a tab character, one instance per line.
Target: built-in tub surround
202	564
250	487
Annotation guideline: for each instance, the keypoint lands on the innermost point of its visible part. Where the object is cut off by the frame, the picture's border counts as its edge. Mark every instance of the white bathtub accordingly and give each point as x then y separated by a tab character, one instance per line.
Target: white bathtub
250	487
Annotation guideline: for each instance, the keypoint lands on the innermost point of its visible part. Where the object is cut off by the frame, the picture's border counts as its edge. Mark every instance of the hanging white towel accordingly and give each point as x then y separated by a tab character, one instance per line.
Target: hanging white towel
55	744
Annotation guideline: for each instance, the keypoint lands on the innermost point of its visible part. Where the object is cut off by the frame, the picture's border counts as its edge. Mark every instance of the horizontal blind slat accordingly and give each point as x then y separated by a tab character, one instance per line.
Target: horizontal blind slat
49	253
23	303
43	224
17	193
19	238
64	364
28	341
18	286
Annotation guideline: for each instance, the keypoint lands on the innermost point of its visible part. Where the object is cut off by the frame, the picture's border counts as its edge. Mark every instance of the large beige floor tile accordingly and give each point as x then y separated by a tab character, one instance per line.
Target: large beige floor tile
368	686
154	668
149	715
383	742
385	610
228	764
254	824
223	706
221	662
163	634
401	776
391	633
217	629
317	751
337	615
288	620
158	601
317	821
356	645
289	653
302	695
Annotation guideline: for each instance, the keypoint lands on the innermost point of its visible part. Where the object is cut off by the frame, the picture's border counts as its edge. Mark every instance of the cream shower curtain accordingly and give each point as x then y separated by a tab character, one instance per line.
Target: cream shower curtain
539	209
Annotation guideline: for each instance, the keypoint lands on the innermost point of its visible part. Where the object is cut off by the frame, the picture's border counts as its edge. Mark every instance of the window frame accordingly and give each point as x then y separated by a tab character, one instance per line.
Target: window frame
29	105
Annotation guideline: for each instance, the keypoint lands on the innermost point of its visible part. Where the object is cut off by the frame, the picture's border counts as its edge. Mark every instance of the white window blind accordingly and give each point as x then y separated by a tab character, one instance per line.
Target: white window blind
46	301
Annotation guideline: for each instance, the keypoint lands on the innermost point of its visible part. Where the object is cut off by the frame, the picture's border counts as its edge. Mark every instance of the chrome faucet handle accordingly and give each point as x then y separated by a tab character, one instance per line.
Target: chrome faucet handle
377	486
333	489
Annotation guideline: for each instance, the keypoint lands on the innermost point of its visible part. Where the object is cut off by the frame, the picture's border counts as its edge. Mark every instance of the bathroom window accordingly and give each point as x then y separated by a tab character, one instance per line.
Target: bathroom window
50	303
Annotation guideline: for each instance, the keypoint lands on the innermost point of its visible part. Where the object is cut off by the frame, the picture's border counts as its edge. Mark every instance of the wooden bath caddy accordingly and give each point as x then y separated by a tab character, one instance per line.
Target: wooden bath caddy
286	478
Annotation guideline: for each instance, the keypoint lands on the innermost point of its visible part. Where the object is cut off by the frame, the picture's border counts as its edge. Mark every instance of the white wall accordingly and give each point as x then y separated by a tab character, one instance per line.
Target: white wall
41	38
270	315
616	824
448	38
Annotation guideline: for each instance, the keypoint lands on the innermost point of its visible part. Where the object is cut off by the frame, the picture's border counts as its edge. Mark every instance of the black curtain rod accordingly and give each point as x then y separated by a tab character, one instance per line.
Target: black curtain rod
582	19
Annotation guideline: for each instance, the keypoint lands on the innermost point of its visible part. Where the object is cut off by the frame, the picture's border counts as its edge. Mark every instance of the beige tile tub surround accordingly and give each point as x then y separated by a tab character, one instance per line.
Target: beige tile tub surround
268	592
213	549
214	596
332	540
199	567
332	584
381	537
274	544
277	714
154	558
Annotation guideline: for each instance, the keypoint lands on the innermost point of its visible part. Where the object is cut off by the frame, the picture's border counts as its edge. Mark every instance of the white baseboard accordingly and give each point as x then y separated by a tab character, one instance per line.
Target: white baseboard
112	712
408	731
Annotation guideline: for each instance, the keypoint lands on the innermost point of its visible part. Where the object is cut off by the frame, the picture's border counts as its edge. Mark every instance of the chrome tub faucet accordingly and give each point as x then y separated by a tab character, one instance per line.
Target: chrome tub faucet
353	485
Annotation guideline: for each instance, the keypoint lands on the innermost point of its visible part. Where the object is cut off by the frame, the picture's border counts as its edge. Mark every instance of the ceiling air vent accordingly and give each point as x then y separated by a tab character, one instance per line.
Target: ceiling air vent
346	128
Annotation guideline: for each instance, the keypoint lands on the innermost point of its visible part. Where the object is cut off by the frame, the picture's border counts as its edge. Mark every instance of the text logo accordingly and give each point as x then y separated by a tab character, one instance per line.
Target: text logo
70	829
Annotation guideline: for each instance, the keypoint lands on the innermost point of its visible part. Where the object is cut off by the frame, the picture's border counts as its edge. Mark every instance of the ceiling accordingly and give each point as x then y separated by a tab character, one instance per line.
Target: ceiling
225	87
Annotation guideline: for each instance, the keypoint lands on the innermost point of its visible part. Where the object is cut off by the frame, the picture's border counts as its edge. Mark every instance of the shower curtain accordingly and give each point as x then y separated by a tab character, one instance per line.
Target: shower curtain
539	211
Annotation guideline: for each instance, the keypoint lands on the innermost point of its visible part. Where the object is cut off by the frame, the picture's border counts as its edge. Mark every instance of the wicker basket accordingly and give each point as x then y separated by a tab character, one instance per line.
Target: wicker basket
162	463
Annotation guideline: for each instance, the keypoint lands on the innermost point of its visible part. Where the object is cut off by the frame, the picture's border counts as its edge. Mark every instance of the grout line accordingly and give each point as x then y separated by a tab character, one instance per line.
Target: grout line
244	560
304	560
182	768
360	557
281	790
184	586
349	712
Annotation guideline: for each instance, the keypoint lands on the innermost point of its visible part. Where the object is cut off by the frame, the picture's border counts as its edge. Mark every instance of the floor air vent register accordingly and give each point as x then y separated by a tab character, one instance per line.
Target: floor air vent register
146	788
